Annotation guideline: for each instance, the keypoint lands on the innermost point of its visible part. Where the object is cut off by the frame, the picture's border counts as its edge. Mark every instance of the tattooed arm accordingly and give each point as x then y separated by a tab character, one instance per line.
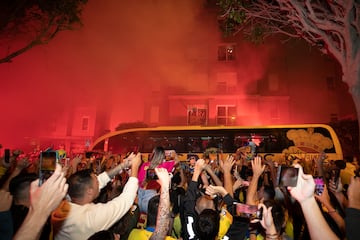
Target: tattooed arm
163	215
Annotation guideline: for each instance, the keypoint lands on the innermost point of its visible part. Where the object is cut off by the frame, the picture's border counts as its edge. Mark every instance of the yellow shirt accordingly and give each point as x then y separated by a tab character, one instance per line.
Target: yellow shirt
143	234
226	220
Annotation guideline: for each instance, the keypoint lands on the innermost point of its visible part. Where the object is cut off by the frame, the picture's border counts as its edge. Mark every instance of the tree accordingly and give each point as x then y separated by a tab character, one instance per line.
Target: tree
25	24
333	26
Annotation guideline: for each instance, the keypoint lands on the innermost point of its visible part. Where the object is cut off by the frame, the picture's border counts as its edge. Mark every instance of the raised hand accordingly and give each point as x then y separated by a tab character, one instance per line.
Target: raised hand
257	167
48	196
164	177
305	186
213	190
227	164
267	220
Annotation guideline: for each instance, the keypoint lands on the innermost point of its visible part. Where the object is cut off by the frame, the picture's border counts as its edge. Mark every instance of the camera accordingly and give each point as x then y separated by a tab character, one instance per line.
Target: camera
47	167
247	211
287	176
151	174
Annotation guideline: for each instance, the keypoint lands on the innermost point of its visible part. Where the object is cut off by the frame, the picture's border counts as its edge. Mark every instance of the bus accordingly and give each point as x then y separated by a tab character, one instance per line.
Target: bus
303	141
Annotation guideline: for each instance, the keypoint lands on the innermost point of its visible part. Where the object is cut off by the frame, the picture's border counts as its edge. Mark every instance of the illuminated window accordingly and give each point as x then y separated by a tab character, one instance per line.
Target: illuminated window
85	124
226	52
197	115
226	115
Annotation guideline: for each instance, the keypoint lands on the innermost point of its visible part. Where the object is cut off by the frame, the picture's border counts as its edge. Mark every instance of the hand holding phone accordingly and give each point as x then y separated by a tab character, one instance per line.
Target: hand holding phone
287	176
248	211
151	174
47	166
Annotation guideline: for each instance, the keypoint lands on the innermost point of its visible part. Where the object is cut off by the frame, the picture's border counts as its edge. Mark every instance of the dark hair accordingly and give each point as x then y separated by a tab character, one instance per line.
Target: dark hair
78	183
278	214
102	235
207	224
157	157
21	183
153	206
269	192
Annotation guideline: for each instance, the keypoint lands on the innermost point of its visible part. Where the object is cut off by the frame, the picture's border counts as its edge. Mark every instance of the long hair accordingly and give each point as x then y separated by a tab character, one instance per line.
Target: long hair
158	156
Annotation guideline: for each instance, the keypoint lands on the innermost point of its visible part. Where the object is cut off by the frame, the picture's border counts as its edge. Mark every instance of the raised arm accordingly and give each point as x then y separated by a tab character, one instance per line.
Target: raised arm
126	163
43	200
19	166
212	174
258	169
324	198
163	215
304	194
226	166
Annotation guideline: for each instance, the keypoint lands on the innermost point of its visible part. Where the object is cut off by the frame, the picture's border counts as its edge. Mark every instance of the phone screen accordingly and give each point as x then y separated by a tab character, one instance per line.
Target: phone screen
47	165
319	185
151	174
247	211
287	176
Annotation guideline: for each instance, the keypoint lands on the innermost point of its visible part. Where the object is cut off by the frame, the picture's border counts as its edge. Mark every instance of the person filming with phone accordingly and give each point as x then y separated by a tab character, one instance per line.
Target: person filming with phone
80	218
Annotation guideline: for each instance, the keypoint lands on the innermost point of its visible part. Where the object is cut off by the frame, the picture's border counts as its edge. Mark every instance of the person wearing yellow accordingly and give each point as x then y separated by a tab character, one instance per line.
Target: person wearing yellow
158	216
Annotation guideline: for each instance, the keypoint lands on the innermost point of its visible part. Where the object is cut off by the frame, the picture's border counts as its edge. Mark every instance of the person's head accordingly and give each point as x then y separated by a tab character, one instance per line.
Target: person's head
204	202
192	160
207	224
83	187
157	156
153	206
266	192
104	235
19	187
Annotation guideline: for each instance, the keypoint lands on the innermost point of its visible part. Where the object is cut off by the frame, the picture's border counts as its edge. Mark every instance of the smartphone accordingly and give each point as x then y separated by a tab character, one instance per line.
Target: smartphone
319	185
247	211
334	175
7	155
287	176
47	166
151	174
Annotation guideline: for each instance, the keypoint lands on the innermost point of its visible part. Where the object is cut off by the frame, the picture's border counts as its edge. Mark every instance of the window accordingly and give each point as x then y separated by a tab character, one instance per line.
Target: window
226	115
226	52
85	124
226	82
197	115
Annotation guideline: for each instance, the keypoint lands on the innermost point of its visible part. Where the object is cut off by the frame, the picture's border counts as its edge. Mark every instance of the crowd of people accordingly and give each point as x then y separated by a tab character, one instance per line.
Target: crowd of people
113	196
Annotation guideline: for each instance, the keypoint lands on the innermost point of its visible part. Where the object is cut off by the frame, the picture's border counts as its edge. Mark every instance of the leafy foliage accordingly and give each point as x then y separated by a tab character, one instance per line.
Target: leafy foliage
33	22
